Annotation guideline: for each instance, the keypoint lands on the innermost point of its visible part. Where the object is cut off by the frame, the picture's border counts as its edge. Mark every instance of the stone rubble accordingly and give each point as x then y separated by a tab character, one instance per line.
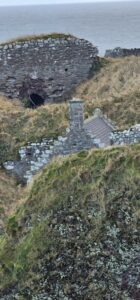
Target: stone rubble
130	136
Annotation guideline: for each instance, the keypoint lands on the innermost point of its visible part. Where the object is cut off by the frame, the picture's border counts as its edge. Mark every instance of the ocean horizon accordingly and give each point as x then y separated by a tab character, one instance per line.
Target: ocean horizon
106	25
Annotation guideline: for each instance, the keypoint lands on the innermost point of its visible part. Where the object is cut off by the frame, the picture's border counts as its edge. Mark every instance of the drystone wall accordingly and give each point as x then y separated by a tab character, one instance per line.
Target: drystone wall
121	52
45	69
130	136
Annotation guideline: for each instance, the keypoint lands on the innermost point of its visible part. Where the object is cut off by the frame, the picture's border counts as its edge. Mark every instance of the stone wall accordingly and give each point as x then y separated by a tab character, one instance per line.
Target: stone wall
47	68
121	52
130	136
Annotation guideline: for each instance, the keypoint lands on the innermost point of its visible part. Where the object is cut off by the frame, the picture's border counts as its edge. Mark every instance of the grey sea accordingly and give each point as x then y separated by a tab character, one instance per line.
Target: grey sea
107	25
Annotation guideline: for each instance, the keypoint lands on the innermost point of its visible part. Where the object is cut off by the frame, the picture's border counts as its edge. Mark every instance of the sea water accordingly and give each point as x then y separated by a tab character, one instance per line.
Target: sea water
106	25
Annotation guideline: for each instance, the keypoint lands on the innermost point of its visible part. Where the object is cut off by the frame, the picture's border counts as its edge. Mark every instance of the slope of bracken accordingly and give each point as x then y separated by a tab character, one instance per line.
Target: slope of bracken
76	235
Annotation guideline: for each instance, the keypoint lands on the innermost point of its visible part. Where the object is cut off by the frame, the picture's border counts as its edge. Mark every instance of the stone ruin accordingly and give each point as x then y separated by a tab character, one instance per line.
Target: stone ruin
45	69
122	52
126	137
36	155
97	132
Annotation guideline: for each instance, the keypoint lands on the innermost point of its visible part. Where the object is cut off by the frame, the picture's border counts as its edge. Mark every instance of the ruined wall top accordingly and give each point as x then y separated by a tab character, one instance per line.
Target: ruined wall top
39	42
122	52
129	136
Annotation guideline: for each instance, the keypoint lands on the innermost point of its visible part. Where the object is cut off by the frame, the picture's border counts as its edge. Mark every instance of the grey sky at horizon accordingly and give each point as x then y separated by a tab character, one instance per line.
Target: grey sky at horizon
37	2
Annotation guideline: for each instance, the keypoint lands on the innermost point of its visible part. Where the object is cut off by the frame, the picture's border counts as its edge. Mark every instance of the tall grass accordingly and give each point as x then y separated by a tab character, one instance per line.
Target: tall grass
115	89
19	125
10	196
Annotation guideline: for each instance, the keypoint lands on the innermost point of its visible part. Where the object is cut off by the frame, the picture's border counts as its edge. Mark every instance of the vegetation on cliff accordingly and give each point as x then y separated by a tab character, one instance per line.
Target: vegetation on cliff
76	234
10	197
73	233
115	89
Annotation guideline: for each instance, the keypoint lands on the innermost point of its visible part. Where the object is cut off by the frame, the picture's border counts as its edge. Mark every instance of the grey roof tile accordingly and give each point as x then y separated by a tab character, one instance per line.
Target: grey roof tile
99	127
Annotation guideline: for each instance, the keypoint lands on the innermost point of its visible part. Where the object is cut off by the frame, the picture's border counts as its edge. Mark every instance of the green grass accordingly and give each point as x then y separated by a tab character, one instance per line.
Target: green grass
10	196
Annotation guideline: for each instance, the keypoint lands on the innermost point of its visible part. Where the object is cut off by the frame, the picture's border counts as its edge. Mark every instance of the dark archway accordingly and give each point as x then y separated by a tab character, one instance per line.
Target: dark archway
36	100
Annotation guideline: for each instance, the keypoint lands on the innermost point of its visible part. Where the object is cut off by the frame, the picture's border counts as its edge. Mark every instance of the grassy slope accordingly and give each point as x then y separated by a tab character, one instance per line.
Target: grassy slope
19	126
116	89
10	196
77	228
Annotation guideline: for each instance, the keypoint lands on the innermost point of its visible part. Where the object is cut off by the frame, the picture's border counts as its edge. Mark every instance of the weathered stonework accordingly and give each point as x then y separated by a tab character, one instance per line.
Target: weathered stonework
36	155
97	132
130	136
77	138
122	52
47	68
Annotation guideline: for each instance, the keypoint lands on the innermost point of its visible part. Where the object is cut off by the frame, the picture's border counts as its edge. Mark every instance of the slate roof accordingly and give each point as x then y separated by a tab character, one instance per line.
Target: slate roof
100	127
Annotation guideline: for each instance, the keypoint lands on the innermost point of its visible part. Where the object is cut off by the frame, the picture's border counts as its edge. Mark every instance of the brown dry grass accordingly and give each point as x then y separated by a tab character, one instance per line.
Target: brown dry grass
19	125
115	89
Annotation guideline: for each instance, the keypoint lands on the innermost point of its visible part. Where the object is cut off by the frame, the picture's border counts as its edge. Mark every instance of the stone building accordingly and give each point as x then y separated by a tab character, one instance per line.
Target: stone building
81	135
45	69
95	132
